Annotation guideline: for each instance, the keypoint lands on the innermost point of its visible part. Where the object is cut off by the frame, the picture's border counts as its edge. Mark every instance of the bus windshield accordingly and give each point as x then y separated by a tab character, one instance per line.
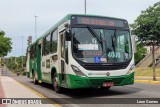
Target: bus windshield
101	45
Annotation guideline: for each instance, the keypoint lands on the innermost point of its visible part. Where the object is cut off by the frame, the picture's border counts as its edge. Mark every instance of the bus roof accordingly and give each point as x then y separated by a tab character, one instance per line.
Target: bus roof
67	17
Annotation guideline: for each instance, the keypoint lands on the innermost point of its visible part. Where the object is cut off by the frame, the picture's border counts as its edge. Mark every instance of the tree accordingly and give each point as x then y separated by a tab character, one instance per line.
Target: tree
5	44
15	64
147	28
140	54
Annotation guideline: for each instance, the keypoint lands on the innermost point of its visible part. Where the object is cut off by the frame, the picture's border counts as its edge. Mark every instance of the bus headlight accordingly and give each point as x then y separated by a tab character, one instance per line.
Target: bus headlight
131	69
77	71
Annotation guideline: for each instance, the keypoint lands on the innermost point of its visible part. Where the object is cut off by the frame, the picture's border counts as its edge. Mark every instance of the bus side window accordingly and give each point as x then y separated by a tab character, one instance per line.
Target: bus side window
32	52
43	46
54	41
48	44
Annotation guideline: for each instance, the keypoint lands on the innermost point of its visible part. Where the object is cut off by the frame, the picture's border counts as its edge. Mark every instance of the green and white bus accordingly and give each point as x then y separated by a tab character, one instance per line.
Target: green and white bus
83	51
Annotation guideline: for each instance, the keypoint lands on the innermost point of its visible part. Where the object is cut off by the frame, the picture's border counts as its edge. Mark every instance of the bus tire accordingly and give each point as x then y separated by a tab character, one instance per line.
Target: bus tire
56	87
34	79
105	88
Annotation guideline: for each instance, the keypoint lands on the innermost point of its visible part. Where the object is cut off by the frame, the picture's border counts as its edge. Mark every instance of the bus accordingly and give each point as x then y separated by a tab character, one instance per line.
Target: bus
83	51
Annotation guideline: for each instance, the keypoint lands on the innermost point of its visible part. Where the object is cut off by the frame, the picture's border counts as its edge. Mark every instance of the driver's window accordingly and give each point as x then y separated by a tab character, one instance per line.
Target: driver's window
121	42
84	40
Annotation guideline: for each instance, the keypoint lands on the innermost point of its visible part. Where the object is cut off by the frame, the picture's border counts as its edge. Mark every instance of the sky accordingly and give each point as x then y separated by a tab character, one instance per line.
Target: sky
17	17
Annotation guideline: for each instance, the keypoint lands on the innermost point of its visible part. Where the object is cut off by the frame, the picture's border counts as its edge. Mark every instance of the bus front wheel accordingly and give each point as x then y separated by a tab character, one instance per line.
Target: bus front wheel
56	87
105	88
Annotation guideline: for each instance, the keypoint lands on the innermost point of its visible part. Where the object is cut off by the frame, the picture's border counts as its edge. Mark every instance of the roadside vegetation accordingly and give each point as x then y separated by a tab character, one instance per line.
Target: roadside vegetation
147	72
5	47
146	27
5	44
140	54
15	64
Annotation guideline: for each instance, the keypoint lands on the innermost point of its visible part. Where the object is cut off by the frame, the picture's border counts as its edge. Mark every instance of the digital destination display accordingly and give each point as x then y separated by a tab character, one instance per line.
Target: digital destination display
100	21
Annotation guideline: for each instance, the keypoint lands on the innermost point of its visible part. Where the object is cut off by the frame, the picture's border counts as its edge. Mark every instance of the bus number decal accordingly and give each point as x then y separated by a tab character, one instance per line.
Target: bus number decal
114	55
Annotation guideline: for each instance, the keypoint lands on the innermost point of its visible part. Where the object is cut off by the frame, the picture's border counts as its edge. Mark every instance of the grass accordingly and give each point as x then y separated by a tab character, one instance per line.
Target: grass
148	72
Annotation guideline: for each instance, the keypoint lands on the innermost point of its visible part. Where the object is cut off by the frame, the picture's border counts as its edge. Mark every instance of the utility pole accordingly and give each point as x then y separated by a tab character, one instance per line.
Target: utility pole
22	51
15	49
36	27
85	6
15	54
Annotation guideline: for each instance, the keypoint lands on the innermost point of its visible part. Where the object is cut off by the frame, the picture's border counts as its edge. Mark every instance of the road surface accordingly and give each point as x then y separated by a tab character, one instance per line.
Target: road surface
87	97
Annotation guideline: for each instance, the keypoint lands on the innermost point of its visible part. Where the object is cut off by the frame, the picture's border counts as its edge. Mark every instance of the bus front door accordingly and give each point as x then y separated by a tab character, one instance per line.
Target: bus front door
62	59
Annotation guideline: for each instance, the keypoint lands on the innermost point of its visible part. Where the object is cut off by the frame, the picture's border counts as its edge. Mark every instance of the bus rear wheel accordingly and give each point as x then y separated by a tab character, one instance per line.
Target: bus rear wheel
56	87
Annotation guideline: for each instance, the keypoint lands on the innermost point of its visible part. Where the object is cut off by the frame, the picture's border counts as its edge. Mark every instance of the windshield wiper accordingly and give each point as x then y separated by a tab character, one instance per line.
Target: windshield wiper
95	35
113	41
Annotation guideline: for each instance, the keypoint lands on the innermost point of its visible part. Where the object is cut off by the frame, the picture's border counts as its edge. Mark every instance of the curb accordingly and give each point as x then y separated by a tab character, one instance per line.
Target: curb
144	77
37	93
147	81
2	94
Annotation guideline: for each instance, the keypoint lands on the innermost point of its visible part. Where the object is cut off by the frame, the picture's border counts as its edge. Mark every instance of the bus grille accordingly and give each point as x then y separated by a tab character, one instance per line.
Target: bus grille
101	81
104	67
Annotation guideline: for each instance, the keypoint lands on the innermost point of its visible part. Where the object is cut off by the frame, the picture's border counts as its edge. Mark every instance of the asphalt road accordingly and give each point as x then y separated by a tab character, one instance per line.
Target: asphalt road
88	97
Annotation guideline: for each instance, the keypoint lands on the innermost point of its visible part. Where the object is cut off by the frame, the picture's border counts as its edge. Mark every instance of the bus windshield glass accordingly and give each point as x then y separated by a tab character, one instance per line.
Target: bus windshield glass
101	45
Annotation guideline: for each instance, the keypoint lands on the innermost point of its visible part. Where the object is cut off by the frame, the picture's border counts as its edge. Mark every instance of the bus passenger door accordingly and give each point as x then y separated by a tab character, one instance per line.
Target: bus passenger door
62	59
39	63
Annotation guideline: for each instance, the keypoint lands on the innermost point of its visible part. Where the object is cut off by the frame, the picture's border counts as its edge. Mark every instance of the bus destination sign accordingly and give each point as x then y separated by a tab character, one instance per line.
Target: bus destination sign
100	21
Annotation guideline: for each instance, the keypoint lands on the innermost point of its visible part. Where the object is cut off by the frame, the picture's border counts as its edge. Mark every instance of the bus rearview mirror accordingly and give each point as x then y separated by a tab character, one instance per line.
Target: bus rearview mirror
133	44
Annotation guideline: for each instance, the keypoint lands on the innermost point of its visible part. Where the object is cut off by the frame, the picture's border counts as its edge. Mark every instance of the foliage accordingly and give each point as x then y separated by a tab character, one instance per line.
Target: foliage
147	25
140	54
15	64
10	62
5	44
147	28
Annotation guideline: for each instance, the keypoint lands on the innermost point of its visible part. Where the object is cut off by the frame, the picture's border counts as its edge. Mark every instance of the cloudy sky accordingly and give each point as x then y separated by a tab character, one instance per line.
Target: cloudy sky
17	17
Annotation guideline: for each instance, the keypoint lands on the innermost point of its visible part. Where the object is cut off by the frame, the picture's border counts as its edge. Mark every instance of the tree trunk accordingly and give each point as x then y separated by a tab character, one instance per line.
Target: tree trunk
153	60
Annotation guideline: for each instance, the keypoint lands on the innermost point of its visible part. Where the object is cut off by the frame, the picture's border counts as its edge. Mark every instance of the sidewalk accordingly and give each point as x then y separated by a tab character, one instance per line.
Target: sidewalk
10	88
145	79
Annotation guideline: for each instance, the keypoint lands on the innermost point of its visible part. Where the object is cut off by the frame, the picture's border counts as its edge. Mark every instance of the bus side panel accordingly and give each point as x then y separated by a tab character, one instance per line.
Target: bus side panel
46	69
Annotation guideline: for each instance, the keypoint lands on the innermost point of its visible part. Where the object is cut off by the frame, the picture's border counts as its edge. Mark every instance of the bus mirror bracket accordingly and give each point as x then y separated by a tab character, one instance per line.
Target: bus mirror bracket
67	35
67	32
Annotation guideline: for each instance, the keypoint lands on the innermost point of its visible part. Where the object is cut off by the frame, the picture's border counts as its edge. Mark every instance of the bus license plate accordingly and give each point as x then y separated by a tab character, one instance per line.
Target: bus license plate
108	84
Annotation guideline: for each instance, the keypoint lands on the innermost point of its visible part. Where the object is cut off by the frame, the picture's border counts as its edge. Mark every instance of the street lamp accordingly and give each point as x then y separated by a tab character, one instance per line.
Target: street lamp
36	27
85	6
22	51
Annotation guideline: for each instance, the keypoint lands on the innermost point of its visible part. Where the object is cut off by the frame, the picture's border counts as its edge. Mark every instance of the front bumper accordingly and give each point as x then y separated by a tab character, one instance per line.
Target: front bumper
73	81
